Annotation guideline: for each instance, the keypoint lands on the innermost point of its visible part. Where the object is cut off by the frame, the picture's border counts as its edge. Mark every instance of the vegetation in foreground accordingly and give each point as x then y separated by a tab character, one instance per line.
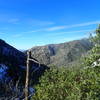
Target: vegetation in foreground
73	84
66	84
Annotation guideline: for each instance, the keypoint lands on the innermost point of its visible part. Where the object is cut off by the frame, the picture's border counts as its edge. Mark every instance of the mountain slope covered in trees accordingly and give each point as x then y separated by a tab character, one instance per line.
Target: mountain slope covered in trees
61	54
13	59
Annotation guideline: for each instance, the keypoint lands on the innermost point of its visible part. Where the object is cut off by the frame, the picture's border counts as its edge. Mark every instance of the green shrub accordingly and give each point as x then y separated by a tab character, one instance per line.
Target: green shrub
66	84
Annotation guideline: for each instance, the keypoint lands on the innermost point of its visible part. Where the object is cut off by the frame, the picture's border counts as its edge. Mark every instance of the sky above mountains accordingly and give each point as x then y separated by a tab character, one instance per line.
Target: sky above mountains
28	23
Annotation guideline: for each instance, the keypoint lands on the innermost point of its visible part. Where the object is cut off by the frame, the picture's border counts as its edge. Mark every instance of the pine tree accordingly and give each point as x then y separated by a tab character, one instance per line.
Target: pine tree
94	57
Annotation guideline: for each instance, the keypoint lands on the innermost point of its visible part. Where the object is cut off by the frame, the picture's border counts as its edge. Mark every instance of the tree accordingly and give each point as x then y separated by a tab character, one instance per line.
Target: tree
94	57
27	77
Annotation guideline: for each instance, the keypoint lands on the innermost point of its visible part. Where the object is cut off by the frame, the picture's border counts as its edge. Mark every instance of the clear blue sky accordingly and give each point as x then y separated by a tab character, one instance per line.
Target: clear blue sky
28	23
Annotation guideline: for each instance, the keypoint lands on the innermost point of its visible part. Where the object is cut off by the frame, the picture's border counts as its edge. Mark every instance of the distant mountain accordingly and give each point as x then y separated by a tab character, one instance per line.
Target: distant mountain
61	54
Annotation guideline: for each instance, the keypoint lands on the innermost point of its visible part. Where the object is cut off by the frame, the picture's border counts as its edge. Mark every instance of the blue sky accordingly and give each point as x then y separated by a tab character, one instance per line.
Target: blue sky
28	23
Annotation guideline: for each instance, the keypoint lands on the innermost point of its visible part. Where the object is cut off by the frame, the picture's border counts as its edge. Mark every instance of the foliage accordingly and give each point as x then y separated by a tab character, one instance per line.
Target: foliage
95	52
69	84
11	91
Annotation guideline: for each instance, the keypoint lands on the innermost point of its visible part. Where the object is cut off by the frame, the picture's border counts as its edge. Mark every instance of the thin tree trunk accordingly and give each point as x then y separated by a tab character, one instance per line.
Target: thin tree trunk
27	77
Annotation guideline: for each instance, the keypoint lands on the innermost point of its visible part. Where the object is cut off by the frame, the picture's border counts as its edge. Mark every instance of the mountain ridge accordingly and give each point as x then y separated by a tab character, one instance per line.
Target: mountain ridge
61	54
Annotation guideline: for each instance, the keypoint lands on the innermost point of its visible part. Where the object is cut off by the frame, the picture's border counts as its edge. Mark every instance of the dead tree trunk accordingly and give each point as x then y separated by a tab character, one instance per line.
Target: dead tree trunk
27	77
27	73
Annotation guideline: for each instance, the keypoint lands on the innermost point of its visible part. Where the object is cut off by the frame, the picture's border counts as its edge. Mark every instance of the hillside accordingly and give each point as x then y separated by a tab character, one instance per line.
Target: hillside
11	59
13	63
15	55
13	70
61	54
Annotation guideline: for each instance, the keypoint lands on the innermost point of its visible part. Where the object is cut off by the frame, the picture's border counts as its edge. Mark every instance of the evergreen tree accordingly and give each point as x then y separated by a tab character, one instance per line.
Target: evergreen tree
94	57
